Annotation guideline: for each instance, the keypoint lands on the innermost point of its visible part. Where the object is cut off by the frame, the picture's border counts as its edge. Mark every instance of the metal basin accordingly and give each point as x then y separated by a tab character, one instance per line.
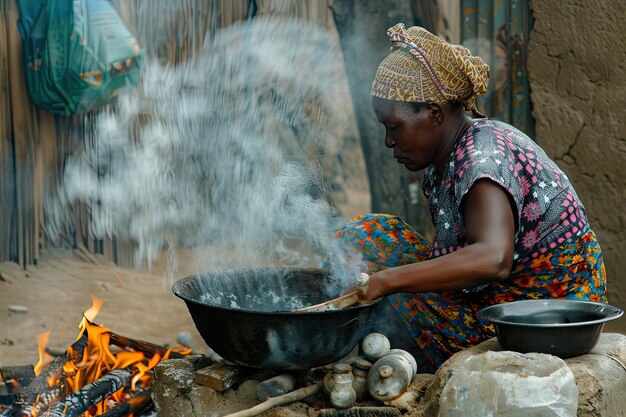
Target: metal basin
247	317
562	328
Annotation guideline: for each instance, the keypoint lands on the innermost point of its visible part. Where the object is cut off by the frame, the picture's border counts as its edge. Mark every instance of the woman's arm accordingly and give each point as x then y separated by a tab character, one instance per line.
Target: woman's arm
490	230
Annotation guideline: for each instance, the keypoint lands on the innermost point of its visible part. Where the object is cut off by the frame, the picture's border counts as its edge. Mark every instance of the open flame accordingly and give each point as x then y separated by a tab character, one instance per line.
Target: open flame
42	342
93	355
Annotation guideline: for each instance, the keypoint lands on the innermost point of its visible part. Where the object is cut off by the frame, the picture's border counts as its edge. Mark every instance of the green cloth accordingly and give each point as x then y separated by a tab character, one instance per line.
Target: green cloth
77	53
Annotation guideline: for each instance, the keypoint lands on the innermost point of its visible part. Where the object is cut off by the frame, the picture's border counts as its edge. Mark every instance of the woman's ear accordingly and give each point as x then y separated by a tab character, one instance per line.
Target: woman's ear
436	112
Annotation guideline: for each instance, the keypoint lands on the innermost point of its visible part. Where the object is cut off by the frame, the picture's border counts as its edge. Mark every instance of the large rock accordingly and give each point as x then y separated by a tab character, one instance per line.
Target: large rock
175	394
600	378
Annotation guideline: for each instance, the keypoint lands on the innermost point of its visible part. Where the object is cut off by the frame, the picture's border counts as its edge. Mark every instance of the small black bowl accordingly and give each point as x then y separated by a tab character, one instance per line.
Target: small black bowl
563	328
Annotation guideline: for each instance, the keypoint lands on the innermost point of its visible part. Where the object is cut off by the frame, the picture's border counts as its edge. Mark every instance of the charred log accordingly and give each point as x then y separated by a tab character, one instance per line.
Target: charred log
40	390
47	399
12	379
7	396
134	405
23	374
148	348
55	351
45	394
91	394
120	410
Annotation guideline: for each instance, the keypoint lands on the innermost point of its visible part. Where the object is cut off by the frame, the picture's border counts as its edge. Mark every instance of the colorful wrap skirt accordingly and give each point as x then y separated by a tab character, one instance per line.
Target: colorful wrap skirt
442	323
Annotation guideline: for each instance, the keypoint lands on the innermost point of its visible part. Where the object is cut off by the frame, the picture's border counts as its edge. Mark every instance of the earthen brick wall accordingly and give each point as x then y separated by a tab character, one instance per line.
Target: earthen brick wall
577	68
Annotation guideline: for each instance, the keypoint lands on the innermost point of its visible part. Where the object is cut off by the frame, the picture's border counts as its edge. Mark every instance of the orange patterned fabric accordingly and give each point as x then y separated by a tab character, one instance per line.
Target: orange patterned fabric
422	67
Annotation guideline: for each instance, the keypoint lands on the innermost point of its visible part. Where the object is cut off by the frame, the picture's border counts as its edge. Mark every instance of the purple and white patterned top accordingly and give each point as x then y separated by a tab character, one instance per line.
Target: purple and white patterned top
549	212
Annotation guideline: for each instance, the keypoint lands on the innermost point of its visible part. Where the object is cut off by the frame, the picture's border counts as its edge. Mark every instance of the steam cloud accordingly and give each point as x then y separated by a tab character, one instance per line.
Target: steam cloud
223	151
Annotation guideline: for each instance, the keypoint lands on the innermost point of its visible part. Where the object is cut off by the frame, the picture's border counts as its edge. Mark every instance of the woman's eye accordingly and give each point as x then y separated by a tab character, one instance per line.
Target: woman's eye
392	127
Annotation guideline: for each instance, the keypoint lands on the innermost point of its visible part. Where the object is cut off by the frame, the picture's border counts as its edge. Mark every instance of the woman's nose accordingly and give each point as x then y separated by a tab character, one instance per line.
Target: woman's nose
389	142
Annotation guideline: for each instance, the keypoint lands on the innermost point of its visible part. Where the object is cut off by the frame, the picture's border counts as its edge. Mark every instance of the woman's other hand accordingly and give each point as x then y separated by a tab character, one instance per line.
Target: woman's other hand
377	287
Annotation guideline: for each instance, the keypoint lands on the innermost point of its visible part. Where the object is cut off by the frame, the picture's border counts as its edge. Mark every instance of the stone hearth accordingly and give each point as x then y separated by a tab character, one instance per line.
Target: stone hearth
600	376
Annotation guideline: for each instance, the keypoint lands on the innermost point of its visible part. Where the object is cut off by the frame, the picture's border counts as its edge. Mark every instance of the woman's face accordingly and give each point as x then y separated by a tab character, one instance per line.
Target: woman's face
413	135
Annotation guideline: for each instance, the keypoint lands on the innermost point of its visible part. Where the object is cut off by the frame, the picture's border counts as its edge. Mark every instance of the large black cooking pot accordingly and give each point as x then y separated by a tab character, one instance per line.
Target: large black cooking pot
247	317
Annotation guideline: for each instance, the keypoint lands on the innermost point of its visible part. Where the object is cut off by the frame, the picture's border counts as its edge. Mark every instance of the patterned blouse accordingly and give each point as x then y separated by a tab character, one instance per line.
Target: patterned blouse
556	254
547	208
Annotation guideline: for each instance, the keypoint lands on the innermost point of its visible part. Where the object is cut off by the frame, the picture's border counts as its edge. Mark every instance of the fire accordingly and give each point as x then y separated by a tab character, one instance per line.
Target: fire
94	354
42	342
91	313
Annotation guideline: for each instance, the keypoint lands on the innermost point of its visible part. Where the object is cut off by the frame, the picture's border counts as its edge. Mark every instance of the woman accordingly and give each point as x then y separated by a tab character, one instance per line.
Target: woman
508	224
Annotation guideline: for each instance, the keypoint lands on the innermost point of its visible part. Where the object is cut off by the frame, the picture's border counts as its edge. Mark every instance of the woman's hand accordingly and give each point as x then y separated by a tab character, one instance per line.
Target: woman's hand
376	288
378	285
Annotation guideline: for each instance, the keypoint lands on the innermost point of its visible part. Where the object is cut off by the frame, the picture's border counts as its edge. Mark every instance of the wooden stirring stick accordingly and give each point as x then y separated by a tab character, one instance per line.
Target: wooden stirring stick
361	281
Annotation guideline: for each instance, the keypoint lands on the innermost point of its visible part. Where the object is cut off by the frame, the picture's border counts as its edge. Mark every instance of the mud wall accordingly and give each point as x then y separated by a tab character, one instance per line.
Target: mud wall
577	69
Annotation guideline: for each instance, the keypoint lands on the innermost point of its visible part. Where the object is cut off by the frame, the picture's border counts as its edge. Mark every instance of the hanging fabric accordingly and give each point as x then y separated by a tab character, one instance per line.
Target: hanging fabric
77	53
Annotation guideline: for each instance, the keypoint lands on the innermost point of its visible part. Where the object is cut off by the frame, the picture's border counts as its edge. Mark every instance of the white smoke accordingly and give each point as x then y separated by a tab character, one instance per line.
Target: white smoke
222	151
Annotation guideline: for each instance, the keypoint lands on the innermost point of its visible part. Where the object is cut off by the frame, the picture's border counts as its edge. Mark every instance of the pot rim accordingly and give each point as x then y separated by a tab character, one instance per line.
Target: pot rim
176	290
495	312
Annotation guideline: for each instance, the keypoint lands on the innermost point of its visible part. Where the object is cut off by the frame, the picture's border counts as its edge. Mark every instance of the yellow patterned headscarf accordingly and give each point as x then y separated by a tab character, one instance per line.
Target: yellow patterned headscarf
422	67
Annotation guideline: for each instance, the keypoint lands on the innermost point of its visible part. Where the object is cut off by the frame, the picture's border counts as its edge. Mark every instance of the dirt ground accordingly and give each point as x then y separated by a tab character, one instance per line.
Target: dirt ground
137	303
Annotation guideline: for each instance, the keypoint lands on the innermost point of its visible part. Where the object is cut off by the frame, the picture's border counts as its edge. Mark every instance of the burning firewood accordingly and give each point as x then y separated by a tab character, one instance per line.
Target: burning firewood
92	375
133	405
49	386
91	394
22	374
141	346
12	379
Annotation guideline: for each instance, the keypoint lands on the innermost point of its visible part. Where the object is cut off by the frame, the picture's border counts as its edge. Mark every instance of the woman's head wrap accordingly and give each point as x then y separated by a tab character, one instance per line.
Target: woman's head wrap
422	67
